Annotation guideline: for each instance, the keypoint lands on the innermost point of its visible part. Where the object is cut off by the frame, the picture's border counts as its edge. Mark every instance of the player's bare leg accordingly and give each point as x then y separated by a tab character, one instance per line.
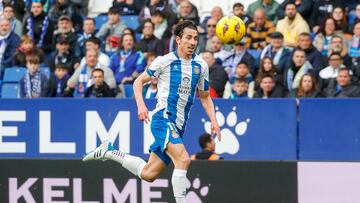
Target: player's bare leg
181	159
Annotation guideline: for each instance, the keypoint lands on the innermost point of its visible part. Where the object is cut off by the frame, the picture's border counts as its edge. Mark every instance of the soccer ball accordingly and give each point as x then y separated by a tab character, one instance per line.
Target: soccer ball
230	29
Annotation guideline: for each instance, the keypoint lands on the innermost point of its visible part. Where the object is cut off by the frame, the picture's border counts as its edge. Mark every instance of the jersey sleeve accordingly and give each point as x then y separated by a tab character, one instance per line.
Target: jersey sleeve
156	67
204	78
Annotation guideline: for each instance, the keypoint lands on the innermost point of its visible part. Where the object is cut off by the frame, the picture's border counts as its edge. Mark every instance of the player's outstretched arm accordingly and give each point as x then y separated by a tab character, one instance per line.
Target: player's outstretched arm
208	105
138	89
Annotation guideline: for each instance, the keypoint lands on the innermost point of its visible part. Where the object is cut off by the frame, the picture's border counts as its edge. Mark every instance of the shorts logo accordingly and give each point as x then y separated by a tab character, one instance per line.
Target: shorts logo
174	134
196	69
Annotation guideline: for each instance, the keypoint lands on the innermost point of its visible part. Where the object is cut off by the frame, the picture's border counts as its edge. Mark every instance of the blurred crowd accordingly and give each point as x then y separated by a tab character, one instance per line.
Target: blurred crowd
296	48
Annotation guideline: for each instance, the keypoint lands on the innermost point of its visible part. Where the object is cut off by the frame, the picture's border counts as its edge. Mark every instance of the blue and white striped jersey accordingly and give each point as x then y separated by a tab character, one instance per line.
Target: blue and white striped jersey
177	82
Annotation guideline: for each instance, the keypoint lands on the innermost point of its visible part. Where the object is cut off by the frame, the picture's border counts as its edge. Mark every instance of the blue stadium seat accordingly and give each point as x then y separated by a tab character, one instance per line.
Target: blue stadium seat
99	20
138	37
131	21
255	53
14	74
129	91
10	90
46	71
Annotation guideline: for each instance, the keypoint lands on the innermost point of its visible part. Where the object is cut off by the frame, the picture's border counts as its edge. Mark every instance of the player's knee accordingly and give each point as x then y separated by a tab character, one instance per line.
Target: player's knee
183	161
148	178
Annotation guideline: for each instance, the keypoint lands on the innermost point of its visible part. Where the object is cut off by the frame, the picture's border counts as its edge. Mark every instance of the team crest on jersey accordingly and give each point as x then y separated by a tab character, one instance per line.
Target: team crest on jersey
174	134
196	69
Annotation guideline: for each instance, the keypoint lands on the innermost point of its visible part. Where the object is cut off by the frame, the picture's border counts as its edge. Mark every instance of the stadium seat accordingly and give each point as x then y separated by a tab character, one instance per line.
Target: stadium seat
99	20
10	90
129	91
255	53
46	71
14	74
131	21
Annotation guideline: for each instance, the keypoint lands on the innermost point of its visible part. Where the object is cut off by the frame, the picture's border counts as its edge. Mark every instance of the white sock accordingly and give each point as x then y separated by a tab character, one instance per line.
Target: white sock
178	181
131	163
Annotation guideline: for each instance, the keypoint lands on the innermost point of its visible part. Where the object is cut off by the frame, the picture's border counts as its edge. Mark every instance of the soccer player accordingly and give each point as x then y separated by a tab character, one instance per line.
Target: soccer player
180	74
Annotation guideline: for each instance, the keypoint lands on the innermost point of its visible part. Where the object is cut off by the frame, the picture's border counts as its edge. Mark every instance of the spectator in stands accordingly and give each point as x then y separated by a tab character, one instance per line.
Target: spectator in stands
269	88
89	29
39	27
150	89
99	88
354	42
56	84
217	75
161	25
338	44
205	38
26	47
323	37
303	7
276	51
81	79
149	43
95	43
9	41
292	25
342	86
307	88
268	6
239	11
239	54
317	60
216	14
207	145
240	89
127	63
339	16
32	84
16	25
267	67
66	8
298	67
187	11
217	47
62	55
258	31
157	5
128	7
242	72
357	19
18	8
65	29
320	12
330	72
111	31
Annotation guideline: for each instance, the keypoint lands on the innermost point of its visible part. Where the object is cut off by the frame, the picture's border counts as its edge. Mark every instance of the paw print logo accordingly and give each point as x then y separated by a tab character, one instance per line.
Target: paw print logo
196	191
230	129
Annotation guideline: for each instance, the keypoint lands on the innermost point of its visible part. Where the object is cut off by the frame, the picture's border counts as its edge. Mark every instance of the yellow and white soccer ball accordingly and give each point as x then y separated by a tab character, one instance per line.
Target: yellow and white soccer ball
230	29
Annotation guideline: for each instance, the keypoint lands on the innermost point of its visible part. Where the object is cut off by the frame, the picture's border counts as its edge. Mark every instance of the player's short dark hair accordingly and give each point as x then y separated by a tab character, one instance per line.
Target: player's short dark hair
238	5
204	139
98	70
114	10
179	29
335	54
9	5
158	13
92	19
243	63
94	40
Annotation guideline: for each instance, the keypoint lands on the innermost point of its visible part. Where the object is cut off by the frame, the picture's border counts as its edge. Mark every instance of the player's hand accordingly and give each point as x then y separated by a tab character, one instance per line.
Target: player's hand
215	129
143	114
